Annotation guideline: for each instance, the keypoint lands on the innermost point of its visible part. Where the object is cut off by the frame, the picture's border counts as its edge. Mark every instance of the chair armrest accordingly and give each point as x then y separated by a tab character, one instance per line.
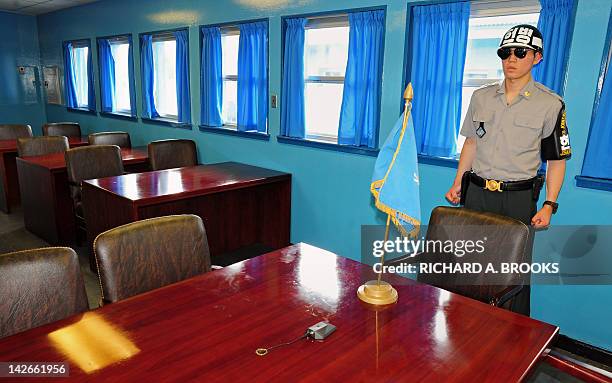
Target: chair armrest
503	296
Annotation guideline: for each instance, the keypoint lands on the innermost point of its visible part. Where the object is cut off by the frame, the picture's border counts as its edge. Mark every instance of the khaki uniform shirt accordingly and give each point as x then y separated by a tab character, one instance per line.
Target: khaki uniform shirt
509	136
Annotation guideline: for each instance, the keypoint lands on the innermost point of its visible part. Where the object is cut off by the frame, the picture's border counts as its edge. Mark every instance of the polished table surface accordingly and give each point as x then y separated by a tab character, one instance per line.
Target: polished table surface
151	187
9	183
57	162
11	145
241	205
207	329
47	205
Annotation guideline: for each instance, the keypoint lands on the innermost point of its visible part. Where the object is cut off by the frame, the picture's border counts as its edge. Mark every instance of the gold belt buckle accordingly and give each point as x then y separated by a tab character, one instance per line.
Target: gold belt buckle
493	185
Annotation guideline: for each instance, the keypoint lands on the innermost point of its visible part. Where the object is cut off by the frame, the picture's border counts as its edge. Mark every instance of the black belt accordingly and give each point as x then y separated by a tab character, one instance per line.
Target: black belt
495	185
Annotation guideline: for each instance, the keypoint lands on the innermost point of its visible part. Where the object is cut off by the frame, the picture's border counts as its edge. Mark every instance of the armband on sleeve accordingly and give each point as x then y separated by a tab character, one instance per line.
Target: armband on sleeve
557	145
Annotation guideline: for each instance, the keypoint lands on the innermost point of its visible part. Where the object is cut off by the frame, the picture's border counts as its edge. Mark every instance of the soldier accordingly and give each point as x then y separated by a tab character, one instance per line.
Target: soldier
510	127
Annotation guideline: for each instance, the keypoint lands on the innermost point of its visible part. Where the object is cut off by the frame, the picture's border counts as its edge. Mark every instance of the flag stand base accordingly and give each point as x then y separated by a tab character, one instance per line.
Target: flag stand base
376	293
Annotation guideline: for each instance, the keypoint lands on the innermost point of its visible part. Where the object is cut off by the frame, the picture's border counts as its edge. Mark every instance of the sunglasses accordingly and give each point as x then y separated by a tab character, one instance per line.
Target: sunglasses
519	53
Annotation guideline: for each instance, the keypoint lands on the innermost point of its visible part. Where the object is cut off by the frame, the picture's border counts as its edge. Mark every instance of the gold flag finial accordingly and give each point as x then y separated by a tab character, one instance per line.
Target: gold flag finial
409	93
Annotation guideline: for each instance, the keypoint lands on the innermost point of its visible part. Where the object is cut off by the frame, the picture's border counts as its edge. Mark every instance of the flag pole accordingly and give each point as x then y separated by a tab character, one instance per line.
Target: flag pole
379	292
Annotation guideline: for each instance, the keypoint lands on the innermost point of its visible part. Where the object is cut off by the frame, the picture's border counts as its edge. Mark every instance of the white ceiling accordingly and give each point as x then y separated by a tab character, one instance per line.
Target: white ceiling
37	7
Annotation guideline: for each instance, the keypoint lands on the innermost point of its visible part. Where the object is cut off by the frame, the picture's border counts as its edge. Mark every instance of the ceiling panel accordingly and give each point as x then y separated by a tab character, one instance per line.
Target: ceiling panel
37	7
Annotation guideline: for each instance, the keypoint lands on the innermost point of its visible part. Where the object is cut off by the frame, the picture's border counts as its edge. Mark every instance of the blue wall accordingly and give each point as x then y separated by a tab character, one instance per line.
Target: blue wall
19	47
331	197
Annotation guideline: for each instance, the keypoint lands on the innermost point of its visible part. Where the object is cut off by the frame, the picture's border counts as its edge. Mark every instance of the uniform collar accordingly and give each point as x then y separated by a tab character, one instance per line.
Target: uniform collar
526	92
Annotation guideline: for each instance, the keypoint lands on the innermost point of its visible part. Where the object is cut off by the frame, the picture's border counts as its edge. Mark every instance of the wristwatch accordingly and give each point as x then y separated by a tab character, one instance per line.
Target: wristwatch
552	204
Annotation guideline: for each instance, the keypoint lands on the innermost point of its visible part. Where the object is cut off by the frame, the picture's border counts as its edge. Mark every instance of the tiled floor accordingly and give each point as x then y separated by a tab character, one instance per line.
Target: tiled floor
14	237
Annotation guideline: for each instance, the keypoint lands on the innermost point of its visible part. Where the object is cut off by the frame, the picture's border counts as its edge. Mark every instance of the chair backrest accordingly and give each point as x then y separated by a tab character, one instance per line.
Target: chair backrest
39	286
507	240
121	139
14	131
149	254
39	146
68	129
89	162
167	154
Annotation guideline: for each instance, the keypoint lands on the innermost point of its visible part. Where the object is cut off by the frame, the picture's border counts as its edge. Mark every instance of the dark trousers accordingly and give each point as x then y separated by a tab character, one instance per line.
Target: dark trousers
519	205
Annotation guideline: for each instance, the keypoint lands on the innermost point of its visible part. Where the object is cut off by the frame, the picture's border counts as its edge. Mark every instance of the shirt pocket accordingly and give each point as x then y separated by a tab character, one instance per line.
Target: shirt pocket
484	118
528	130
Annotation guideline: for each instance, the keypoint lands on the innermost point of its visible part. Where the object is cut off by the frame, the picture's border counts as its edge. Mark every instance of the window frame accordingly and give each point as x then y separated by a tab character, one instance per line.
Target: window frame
232	129
163	120
321	144
133	113
164	37
79	43
322	22
606	61
230	30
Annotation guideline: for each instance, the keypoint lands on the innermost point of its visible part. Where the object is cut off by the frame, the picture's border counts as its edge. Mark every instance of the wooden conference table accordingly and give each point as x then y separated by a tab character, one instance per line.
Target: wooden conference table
241	205
207	329
45	193
9	183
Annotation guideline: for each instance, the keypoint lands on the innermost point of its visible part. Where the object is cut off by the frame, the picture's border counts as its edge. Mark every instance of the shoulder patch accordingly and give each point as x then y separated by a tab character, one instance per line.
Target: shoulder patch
487	86
496	83
548	91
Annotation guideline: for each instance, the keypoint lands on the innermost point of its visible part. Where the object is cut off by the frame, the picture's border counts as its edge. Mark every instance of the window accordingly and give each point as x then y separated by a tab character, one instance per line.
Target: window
114	56
80	58
78	81
121	51
164	69
230	37
488	22
164	63
325	57
596	172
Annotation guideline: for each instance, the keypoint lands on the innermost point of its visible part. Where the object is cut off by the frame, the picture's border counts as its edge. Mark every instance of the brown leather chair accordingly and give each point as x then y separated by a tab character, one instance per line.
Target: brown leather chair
149	254
39	146
14	131
68	129
90	162
39	286
121	139
168	154
507	240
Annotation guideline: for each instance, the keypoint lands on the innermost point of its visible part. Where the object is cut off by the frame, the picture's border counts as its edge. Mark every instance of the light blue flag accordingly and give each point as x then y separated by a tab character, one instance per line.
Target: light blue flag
395	182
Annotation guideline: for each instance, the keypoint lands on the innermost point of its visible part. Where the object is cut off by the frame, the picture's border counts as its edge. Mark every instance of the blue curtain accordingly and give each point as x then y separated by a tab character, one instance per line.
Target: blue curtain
211	77
293	117
439	43
359	114
91	96
253	77
148	76
69	81
131	74
597	158
554	23
107	76
182	76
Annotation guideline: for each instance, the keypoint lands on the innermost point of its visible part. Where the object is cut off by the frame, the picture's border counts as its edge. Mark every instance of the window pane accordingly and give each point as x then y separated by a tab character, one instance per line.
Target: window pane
230	101
326	51
323	109
229	52
80	56
121	99
164	90
482	66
